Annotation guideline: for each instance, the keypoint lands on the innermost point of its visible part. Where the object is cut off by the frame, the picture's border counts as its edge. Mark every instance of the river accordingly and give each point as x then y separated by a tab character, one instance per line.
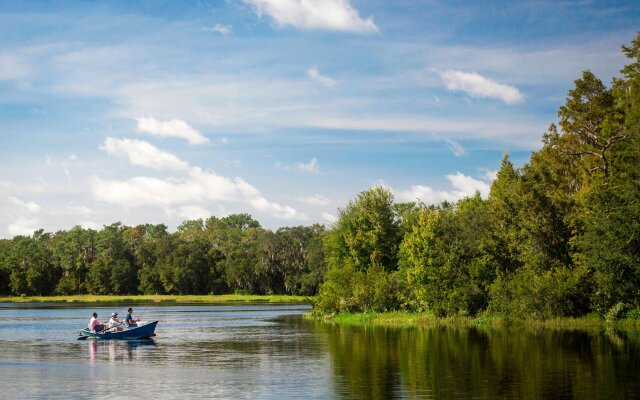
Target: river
271	352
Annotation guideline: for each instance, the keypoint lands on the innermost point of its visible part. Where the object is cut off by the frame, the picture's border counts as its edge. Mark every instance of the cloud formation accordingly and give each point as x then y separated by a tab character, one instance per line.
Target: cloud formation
23	226
311	166
139	152
463	186
329	218
476	85
456	148
314	75
174	128
333	15
315	200
192	190
28	205
221	29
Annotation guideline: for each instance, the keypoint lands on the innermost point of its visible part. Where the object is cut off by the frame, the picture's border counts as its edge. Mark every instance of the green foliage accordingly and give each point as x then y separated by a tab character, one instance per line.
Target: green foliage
295	257
366	232
608	242
361	253
529	294
347	289
445	263
221	255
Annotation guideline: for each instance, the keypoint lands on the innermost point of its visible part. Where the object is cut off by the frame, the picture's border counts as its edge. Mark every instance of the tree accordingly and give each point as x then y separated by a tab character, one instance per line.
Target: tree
5	265
367	232
293	259
609	242
445	263
75	251
591	125
362	255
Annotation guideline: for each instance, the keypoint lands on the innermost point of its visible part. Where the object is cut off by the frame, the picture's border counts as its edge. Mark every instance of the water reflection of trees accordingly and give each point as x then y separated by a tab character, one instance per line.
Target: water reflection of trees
449	362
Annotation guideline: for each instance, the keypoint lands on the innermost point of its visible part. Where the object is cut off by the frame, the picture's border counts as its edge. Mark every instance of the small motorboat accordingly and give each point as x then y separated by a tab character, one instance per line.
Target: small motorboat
141	330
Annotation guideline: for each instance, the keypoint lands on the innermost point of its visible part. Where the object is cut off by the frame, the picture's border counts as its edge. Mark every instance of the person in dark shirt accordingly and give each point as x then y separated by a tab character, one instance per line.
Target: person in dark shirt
128	320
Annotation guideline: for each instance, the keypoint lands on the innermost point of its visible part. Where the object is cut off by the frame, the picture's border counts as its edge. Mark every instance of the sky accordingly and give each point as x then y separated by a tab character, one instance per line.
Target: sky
165	111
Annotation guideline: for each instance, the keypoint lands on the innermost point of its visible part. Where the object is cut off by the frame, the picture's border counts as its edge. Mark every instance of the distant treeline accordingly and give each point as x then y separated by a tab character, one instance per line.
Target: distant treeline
219	255
558	237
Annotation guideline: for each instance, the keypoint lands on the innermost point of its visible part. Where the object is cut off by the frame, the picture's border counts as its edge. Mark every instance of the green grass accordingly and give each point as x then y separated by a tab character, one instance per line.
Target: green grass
400	319
212	299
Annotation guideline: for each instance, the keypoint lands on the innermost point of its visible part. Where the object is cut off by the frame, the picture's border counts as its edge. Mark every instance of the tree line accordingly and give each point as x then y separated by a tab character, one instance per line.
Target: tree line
220	255
559	236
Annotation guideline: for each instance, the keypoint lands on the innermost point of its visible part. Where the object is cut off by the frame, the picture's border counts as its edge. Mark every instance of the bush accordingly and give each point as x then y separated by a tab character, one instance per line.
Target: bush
348	290
559	292
634	314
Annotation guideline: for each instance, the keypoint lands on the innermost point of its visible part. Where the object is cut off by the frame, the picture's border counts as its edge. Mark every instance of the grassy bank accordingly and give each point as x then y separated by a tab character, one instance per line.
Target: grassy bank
211	299
400	319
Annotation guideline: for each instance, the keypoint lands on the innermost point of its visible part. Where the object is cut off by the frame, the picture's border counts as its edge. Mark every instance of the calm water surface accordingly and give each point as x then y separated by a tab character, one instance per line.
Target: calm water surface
270	351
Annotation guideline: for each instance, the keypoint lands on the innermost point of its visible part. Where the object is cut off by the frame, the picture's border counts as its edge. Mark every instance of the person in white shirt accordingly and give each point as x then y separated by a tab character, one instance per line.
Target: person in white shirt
114	322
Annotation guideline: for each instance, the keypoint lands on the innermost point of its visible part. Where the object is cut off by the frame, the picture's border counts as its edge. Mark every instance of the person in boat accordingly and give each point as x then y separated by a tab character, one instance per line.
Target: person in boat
94	324
128	320
114	322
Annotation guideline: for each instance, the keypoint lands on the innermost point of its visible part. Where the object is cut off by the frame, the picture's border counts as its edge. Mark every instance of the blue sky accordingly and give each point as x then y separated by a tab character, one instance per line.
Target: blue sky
162	111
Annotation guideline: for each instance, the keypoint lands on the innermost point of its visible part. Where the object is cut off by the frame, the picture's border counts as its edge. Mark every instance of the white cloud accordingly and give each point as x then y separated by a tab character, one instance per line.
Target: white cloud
139	152
463	186
23	187
23	226
490	175
73	157
174	128
221	29
80	210
194	212
311	166
91	225
196	188
330	218
315	200
456	148
335	15
29	205
314	75
476	85
468	186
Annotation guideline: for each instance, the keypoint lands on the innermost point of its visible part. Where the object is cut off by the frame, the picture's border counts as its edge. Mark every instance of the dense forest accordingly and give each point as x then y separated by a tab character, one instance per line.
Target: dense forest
220	255
559	236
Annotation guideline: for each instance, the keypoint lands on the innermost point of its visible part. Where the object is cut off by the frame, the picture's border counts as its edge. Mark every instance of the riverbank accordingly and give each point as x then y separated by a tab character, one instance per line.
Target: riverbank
210	299
407	319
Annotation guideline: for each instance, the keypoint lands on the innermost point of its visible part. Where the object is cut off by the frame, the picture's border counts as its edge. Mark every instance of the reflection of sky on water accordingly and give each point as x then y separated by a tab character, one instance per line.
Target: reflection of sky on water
199	351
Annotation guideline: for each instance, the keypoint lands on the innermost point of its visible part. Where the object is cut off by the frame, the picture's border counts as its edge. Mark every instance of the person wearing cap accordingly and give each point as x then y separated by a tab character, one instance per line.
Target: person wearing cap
114	322
128	320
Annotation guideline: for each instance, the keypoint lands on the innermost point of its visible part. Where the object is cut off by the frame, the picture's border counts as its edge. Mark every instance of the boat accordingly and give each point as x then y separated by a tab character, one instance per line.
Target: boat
140	331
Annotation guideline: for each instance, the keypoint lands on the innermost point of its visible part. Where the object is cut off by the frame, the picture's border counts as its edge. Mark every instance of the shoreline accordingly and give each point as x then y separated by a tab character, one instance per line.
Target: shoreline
408	319
161	299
